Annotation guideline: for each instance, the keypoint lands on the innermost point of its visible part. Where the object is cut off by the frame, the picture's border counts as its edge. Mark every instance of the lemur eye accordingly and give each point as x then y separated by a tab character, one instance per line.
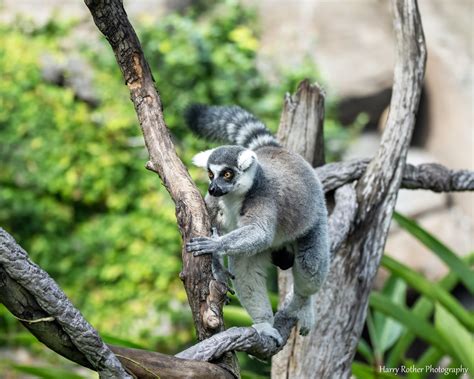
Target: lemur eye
228	175
211	175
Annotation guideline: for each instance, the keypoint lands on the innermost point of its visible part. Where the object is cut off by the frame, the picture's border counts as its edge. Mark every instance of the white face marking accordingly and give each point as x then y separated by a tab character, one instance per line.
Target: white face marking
245	180
216	169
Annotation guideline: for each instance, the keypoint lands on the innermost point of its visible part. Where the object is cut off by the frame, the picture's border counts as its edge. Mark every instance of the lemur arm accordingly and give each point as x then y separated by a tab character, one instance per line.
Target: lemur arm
248	239
256	234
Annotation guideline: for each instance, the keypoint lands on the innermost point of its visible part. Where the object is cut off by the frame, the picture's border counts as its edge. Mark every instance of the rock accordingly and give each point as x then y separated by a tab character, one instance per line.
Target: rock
351	43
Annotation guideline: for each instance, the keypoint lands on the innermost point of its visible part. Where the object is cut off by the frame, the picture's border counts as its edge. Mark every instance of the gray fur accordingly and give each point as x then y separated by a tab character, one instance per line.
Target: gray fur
276	202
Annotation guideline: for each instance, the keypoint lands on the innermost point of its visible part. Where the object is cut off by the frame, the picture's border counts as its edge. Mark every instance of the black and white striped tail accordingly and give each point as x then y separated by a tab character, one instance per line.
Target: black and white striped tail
230	124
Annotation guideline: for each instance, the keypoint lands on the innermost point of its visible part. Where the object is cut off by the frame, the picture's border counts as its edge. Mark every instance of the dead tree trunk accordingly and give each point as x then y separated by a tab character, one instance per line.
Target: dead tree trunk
342	302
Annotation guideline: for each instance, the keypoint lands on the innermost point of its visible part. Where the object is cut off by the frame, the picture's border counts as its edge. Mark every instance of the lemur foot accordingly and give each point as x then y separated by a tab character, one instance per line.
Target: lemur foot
302	308
265	329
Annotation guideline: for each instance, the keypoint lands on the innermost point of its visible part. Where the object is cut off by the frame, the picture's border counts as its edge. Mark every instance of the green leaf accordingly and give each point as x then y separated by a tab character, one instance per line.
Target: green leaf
430	290
412	322
430	357
455	264
423	308
363	348
458	338
388	330
47	372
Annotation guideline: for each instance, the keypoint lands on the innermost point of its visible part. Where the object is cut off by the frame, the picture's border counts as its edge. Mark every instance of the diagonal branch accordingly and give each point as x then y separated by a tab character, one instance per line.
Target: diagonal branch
380	182
205	299
33	297
428	176
17	266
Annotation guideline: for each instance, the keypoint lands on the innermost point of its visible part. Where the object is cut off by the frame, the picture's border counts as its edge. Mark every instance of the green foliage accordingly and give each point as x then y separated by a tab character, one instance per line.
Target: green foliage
46	372
393	326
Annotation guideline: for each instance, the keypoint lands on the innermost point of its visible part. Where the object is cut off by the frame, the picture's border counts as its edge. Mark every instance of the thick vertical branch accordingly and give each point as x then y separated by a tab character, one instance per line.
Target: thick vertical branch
300	131
301	123
342	302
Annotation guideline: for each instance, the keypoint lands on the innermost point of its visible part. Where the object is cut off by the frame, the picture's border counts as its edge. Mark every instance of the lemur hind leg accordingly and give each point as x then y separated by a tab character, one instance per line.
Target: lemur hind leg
250	287
310	268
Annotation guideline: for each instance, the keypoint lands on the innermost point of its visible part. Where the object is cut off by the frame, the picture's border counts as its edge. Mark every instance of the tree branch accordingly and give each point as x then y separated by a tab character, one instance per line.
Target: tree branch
16	265
33	297
112	21
428	176
381	180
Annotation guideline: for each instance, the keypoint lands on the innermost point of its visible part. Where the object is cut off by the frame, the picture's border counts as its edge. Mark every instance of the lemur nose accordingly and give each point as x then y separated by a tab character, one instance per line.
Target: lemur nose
215	190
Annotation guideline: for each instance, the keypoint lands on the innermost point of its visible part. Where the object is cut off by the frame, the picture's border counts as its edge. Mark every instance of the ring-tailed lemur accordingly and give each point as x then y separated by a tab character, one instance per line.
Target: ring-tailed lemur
264	199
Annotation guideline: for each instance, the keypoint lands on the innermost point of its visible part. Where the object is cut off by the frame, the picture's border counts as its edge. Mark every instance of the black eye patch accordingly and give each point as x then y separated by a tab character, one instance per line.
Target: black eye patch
227	173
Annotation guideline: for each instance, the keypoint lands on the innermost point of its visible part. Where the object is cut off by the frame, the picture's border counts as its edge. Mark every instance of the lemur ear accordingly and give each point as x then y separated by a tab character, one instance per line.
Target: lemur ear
200	159
245	159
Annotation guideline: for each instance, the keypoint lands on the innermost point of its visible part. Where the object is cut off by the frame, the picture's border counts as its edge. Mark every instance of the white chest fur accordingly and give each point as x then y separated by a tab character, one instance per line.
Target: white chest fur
229	212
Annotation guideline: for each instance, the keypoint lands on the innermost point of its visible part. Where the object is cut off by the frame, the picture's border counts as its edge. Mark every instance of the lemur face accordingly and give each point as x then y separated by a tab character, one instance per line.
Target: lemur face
231	169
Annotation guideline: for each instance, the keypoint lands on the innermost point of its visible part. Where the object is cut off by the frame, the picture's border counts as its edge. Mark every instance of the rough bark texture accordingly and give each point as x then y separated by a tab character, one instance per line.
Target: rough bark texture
73	331
342	302
428	176
300	131
306	109
32	296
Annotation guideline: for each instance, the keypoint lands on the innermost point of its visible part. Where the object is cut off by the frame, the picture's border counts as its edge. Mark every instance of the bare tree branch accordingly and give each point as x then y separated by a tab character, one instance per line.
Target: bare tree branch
428	176
15	262
33	297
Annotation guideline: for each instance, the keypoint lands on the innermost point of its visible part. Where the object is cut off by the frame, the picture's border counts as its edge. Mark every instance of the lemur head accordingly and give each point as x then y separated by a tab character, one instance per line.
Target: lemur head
231	169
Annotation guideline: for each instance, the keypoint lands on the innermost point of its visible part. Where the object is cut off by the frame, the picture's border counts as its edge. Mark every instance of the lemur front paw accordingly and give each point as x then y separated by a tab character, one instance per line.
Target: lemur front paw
204	245
265	329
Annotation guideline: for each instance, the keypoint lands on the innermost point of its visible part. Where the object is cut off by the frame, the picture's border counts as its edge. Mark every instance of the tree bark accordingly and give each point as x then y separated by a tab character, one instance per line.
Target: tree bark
301	130
33	297
342	301
205	295
427	176
73	335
